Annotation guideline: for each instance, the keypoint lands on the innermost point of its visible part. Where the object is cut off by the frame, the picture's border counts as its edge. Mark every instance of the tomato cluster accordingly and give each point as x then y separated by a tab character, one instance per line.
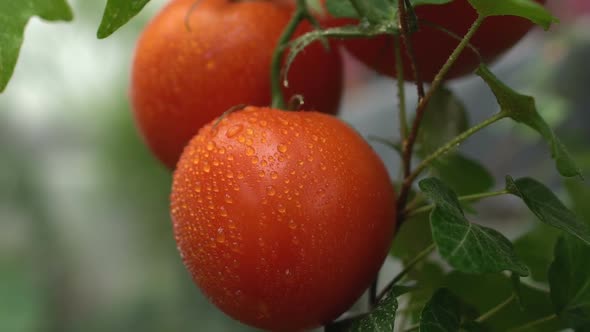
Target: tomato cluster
282	218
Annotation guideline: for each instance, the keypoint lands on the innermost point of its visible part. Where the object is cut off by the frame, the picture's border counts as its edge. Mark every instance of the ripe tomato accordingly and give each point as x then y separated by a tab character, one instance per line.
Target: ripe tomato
182	77
282	218
432	47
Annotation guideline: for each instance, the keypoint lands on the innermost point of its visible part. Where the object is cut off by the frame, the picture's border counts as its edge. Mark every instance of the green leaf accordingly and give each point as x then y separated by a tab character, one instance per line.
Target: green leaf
445	117
528	9
382	318
117	13
14	15
466	246
485	292
375	8
579	193
428	277
522	109
412	238
569	278
547	207
465	176
442	313
536	250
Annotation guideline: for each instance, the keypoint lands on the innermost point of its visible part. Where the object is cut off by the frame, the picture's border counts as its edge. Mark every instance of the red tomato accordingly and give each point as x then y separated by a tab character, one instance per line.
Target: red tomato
183	78
282	218
432	47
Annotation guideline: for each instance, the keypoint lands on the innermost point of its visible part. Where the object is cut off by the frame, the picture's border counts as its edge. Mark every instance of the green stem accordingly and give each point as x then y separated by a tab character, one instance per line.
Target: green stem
452	144
495	309
401	93
414	327
466	198
278	100
535	323
423	254
409	176
438	79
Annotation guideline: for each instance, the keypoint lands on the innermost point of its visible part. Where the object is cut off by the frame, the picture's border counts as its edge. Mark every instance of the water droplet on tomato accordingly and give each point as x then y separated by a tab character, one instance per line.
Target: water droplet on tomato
270	191
274	175
282	148
234	130
250	151
220	235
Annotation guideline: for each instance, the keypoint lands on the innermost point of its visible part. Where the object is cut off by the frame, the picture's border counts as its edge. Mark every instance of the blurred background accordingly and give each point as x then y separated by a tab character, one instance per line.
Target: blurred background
85	235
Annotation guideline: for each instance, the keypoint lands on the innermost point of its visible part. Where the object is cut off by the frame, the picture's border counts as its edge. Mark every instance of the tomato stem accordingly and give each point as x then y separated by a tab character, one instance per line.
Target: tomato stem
401	93
276	82
490	313
535	323
408	144
426	208
421	256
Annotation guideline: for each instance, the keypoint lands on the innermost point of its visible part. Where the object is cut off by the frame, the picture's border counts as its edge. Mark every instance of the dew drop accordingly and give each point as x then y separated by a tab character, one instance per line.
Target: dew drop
220	236
206	168
270	191
250	151
228	199
282	148
281	209
234	130
274	175
210	146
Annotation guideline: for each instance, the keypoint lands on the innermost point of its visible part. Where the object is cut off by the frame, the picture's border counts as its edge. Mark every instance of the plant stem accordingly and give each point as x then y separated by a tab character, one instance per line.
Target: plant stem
452	144
534	323
278	100
403	25
466	198
495	309
401	93
373	292
408	146
423	254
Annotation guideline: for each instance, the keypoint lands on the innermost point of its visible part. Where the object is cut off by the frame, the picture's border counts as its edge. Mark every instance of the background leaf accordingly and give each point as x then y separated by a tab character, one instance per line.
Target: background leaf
442	313
14	15
547	207
345	8
466	246
528	9
117	13
536	250
465	176
569	278
522	109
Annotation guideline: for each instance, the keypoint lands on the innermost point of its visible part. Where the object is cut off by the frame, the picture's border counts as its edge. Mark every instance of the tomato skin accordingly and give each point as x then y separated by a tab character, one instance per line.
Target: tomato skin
432	47
182	79
282	218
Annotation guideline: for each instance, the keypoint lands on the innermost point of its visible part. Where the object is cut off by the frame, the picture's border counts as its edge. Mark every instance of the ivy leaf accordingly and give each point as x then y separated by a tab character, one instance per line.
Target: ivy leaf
117	13
547	207
536	250
14	15
382	318
466	246
442	313
522	109
569	278
465	176
377	8
528	9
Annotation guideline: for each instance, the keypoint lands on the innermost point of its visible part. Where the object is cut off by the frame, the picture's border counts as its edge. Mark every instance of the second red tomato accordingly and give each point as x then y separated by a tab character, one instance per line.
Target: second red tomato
192	64
432	46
